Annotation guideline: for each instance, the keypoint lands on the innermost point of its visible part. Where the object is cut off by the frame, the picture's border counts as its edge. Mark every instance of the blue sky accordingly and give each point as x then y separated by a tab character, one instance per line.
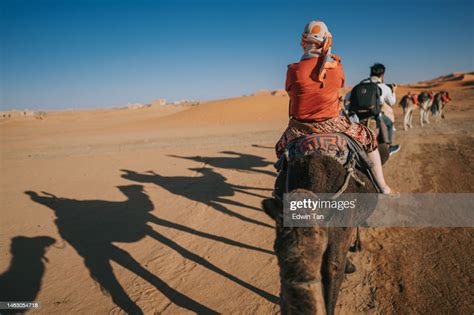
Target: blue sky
73	54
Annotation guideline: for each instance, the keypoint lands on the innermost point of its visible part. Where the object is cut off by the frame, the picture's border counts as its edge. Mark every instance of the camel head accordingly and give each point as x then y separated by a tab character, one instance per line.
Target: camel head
30	247
138	177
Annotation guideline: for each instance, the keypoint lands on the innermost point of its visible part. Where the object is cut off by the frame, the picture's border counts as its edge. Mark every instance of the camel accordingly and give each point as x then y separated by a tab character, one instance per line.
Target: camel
439	102
425	100
408	104
312	260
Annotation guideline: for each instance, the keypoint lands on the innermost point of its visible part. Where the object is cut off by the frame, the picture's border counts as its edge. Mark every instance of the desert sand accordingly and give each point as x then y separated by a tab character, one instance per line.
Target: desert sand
160	206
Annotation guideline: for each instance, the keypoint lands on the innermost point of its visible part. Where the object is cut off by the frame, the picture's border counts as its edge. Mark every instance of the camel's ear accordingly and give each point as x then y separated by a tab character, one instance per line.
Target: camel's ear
273	208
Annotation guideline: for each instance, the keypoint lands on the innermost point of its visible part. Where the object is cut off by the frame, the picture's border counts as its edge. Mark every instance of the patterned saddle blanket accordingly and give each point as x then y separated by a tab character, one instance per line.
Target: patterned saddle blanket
334	145
339	146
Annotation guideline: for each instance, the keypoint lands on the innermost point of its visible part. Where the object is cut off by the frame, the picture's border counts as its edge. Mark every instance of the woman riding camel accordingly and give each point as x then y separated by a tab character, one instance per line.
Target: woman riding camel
313	86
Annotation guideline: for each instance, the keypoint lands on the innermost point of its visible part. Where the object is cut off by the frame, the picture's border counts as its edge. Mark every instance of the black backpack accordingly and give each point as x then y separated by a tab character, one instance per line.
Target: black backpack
365	100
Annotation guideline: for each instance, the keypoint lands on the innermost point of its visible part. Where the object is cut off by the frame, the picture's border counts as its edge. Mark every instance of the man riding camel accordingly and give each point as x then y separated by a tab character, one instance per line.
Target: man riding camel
387	99
313	86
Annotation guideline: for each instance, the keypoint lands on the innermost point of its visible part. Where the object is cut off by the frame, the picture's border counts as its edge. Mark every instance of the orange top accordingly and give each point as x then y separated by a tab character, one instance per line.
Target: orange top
309	99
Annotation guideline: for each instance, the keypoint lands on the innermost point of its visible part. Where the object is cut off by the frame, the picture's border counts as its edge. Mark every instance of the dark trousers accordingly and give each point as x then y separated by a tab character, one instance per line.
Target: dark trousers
389	125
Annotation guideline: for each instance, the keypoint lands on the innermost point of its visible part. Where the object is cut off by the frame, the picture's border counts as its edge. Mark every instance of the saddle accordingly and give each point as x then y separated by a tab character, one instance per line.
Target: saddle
341	147
414	99
331	144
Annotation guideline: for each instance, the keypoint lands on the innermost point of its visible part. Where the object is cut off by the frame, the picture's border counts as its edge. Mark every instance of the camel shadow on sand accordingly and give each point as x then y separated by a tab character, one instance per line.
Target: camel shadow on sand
21	282
92	227
234	160
210	188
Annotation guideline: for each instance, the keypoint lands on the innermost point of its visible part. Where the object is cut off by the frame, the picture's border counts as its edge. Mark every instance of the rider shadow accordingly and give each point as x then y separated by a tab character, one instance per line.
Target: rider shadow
210	189
234	160
22	280
92	227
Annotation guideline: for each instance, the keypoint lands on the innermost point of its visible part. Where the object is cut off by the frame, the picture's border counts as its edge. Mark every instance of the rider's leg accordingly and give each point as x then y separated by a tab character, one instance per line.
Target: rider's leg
374	156
389	123
368	139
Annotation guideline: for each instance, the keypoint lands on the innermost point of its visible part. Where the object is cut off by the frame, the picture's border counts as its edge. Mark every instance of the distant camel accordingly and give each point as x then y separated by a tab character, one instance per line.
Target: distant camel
312	260
440	100
22	281
408	104
425	99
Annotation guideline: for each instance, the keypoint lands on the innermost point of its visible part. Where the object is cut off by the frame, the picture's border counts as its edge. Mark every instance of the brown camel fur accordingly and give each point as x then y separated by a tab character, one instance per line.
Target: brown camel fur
312	259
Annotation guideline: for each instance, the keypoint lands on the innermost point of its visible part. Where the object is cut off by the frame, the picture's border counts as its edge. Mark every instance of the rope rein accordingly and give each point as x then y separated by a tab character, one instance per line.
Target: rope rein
350	173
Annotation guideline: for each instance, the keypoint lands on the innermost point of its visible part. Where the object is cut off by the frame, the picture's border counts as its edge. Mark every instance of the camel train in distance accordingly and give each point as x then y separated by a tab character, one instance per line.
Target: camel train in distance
427	101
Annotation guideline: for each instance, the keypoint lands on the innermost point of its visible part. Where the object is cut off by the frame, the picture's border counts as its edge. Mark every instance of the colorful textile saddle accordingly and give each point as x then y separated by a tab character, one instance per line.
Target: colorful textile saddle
334	145
339	146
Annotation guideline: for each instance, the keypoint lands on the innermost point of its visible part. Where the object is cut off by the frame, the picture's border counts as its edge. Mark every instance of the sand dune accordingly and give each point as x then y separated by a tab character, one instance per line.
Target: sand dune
455	76
161	207
261	111
454	80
